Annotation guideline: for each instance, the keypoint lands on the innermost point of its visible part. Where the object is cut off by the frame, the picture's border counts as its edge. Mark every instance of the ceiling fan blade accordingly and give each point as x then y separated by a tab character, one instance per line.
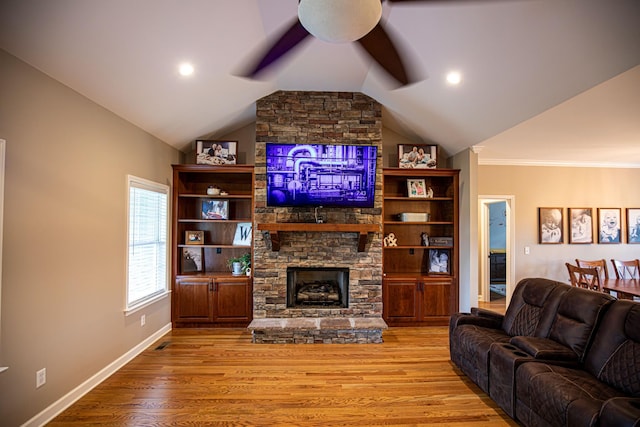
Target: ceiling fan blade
295	34
379	45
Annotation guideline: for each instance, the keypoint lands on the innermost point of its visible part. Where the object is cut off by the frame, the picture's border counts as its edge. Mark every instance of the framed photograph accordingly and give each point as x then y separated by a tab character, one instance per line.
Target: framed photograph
210	152
416	188
609	225
633	225
550	225
417	156
191	260
243	234
215	209
194	237
439	261
580	225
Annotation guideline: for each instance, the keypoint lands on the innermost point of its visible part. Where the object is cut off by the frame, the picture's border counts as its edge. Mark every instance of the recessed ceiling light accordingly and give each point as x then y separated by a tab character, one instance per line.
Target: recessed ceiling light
454	78
185	69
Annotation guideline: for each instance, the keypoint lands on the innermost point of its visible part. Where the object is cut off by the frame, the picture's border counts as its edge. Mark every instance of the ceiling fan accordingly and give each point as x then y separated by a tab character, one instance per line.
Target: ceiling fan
340	21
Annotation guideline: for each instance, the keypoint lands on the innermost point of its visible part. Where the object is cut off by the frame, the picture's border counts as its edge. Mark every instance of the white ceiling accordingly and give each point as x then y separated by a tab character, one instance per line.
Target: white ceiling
545	81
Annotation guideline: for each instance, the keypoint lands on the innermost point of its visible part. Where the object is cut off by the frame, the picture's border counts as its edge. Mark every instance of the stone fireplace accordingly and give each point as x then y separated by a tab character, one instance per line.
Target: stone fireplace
318	118
317	287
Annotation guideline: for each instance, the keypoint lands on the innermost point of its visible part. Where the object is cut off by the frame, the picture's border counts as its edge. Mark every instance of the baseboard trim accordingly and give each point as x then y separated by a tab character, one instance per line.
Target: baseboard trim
70	398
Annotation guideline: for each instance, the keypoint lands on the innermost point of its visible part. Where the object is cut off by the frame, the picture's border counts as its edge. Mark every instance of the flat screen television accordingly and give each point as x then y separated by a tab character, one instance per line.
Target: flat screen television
321	175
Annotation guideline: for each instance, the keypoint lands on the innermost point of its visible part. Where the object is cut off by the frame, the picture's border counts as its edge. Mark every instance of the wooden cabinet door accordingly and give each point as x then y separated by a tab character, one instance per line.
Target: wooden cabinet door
233	299
400	300
193	302
436	298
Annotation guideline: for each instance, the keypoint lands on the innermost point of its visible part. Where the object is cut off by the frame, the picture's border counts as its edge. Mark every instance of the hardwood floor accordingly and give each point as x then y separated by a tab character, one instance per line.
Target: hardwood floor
217	377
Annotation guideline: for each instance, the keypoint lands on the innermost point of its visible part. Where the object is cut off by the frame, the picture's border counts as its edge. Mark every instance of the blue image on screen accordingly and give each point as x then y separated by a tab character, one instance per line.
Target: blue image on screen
321	175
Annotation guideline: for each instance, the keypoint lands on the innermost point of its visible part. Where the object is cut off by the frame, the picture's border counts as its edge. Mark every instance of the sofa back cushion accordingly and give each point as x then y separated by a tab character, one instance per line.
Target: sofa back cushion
614	357
533	306
579	313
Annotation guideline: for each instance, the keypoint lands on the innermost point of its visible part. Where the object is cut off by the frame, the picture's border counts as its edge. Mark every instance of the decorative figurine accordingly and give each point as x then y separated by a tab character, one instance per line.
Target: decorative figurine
425	239
390	240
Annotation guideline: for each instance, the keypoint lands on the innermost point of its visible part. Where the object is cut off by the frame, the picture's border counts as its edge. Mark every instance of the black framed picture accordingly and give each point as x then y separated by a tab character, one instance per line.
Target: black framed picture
580	225
191	260
550	225
417	156
215	209
633	225
439	261
210	152
609	225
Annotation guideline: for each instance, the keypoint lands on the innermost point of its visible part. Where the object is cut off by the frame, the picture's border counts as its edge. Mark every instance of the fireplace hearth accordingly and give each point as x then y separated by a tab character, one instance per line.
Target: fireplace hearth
317	287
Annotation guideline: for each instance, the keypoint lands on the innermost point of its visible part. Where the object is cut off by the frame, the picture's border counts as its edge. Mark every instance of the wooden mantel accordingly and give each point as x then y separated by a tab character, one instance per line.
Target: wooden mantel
307	227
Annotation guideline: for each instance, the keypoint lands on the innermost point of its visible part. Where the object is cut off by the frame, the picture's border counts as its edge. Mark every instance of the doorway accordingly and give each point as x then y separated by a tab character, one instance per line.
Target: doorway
497	236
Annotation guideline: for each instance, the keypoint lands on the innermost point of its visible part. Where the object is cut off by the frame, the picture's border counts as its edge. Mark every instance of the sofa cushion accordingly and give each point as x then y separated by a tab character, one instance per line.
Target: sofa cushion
532	307
577	316
614	357
560	395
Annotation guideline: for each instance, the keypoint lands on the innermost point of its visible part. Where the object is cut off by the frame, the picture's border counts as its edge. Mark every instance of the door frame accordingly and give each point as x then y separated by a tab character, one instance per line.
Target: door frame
483	251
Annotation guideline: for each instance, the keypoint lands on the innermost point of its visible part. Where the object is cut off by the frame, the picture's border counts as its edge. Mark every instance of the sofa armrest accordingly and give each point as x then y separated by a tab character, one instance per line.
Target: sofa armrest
483	312
544	349
621	412
493	322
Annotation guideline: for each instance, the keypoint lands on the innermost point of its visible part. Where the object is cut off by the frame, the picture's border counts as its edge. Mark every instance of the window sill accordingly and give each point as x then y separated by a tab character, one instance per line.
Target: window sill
130	310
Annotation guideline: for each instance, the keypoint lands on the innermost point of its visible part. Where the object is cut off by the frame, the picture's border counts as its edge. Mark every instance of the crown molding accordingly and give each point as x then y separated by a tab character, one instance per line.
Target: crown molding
556	163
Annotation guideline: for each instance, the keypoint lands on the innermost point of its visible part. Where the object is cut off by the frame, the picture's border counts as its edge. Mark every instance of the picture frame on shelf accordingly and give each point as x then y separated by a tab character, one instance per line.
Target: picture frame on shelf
213	152
193	237
243	234
215	209
550	226
417	156
609	225
633	225
439	261
191	261
580	225
416	188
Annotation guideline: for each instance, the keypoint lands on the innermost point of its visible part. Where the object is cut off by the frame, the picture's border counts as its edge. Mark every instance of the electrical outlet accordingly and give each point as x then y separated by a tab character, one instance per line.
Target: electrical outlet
527	250
41	377
143	320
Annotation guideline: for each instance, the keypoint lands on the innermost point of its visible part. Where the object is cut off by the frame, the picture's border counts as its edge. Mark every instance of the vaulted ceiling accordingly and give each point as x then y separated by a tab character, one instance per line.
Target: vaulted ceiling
544	81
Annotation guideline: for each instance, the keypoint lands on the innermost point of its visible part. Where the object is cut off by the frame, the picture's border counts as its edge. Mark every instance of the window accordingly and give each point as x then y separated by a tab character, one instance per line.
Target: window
147	266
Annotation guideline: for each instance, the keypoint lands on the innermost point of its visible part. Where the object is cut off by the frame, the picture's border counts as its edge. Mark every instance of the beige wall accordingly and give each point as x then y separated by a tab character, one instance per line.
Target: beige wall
566	187
63	275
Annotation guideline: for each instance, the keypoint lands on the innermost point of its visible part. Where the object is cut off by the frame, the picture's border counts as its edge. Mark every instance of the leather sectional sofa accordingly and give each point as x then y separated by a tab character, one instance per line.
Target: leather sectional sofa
559	356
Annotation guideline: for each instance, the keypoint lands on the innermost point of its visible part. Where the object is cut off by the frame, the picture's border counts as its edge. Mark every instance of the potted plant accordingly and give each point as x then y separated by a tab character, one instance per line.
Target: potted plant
240	264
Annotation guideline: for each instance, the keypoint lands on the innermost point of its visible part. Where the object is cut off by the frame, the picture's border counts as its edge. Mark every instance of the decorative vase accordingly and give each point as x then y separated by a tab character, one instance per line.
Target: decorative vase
236	268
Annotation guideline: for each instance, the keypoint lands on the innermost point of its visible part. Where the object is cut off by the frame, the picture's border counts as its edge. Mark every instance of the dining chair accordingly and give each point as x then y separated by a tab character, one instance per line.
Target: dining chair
598	263
626	269
584	277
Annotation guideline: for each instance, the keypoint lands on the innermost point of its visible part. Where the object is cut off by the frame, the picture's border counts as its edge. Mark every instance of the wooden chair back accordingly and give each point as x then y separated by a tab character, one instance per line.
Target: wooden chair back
584	277
626	269
598	263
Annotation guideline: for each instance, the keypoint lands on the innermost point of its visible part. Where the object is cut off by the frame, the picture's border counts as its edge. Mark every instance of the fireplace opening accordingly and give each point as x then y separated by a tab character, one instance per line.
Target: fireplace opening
317	287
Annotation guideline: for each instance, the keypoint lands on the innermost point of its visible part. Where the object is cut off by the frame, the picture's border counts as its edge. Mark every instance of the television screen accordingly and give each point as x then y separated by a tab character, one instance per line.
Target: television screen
321	175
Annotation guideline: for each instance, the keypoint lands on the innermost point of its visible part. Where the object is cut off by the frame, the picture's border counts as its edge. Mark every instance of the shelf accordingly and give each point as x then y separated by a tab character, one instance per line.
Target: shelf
305	227
209	196
219	221
418	223
418	199
417	247
213	246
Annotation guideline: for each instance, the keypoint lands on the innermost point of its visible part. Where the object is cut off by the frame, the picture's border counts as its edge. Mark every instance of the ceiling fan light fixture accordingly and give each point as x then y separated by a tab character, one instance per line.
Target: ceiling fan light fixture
339	21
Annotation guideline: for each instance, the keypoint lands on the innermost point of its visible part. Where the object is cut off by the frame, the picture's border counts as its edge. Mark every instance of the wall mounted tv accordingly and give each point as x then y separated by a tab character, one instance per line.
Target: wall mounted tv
321	175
